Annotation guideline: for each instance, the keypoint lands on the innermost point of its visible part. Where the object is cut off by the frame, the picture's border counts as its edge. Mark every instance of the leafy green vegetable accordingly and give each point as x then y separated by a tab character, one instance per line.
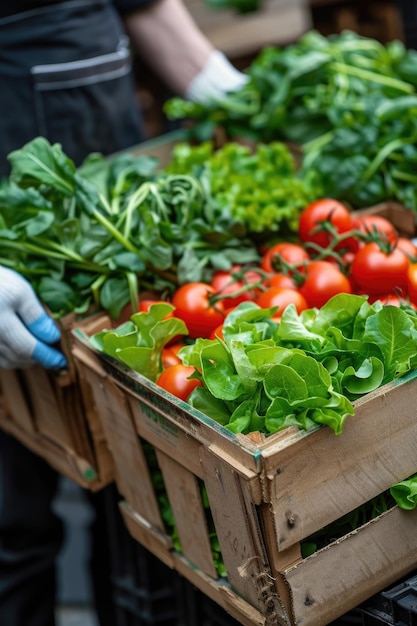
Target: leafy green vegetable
349	101
139	342
259	189
405	493
305	370
96	236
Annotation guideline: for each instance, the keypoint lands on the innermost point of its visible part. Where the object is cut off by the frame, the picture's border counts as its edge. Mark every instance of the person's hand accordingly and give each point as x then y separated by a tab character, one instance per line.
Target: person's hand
217	78
26	331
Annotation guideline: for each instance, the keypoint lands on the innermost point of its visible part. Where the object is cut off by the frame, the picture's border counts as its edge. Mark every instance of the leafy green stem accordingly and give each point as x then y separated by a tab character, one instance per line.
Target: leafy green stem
368	75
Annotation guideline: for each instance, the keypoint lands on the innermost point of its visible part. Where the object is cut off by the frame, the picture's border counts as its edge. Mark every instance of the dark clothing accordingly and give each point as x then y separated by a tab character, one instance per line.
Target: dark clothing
19	6
65	73
30	536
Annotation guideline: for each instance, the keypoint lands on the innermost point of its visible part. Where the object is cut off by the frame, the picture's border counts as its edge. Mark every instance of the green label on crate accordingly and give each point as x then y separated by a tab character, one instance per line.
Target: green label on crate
160	424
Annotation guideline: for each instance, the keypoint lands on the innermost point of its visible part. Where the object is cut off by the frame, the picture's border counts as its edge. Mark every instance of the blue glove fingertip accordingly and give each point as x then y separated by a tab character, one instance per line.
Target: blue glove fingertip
45	329
48	357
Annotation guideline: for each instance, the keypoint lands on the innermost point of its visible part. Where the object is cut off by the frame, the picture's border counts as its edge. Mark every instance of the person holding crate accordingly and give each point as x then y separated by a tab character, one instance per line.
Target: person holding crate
65	74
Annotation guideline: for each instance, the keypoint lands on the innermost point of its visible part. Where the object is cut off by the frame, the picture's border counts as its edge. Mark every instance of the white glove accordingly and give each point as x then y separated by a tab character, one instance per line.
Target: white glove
25	328
217	78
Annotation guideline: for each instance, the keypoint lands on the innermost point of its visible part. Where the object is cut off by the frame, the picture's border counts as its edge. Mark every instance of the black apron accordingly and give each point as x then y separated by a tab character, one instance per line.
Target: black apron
65	74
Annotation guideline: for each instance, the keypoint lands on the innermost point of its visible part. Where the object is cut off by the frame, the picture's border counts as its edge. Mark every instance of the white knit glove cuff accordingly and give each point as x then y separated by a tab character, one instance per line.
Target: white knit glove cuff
216	79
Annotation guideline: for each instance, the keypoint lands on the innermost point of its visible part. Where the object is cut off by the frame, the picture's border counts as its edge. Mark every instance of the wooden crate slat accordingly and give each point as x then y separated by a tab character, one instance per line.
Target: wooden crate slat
314	472
156	542
15	400
226	496
341	576
132	474
190	518
45	406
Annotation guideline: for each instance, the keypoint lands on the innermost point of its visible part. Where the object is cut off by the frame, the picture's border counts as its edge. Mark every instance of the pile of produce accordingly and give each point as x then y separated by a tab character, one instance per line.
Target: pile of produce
100	235
290	342
350	102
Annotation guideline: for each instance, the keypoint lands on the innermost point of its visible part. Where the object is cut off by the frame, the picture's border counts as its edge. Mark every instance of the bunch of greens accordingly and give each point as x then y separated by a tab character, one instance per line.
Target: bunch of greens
349	101
258	188
92	237
139	342
304	370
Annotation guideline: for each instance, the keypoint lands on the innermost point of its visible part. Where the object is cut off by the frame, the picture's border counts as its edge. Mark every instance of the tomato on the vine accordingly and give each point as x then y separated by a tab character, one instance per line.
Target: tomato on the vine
407	246
192	305
324	219
281	297
376	225
377	271
175	379
323	280
227	283
280	280
170	354
284	254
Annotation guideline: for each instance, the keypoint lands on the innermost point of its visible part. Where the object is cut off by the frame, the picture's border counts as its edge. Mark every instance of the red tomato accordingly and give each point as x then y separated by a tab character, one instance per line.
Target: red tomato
144	306
175	379
376	271
321	212
376	224
226	284
217	332
170	354
323	280
407	246
412	282
393	300
282	254
192	305
280	280
281	297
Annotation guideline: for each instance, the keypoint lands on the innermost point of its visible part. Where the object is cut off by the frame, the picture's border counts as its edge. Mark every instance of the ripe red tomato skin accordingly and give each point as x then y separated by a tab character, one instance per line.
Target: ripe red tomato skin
175	380
376	271
169	354
323	280
291	253
319	211
412	283
392	300
217	332
191	302
280	280
368	224
407	246
281	297
224	283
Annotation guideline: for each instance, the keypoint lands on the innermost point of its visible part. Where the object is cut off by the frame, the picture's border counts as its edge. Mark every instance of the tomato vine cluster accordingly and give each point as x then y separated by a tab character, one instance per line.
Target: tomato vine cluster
337	251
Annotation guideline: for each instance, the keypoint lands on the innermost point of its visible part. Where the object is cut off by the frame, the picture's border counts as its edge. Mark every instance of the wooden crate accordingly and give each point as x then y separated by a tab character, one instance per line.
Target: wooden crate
265	497
53	414
276	22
